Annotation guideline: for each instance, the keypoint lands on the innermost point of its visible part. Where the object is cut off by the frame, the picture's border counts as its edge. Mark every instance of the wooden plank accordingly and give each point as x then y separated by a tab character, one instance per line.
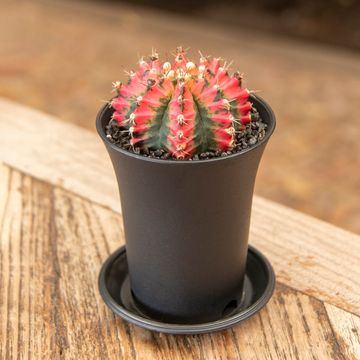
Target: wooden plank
60	153
52	244
346	327
308	254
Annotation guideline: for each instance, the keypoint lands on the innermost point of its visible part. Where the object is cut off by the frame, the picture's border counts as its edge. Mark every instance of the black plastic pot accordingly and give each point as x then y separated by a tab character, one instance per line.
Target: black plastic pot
186	227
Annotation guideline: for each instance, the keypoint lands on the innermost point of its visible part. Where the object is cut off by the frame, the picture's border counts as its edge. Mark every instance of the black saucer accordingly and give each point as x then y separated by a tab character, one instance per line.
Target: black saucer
114	286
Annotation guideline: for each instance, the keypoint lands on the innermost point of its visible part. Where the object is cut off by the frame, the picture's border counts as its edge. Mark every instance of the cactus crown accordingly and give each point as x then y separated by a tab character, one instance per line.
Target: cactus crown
182	107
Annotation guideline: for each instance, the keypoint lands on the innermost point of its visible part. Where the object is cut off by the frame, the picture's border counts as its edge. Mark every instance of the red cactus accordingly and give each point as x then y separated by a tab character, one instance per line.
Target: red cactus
181	107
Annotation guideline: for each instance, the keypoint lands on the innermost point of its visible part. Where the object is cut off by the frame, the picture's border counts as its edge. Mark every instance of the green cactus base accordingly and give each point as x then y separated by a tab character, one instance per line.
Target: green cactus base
247	138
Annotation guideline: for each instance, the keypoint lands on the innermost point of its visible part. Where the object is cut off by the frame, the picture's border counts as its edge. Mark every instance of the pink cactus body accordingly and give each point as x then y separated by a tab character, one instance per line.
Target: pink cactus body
183	108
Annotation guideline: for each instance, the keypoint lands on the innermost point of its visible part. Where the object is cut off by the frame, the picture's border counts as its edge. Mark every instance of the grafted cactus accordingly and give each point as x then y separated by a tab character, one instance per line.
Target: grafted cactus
182	107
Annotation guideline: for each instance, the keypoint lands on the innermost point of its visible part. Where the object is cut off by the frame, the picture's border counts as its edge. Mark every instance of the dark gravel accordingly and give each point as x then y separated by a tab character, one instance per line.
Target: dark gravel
247	138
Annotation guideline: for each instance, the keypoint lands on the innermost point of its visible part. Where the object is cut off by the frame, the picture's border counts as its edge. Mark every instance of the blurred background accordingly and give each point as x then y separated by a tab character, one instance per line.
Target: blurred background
62	56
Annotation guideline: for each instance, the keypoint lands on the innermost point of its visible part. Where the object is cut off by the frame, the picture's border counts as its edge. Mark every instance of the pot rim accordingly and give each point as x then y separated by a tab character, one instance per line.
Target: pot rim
270	130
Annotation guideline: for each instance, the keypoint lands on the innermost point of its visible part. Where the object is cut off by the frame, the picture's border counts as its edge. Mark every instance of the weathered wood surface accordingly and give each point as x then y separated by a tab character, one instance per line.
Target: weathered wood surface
60	153
52	243
309	255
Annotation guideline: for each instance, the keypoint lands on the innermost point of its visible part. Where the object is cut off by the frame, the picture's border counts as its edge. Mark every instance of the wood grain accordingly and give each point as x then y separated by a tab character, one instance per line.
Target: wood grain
308	254
60	153
346	328
52	244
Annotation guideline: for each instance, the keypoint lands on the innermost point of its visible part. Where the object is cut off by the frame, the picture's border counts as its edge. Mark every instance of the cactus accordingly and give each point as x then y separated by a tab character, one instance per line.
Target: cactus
182	108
